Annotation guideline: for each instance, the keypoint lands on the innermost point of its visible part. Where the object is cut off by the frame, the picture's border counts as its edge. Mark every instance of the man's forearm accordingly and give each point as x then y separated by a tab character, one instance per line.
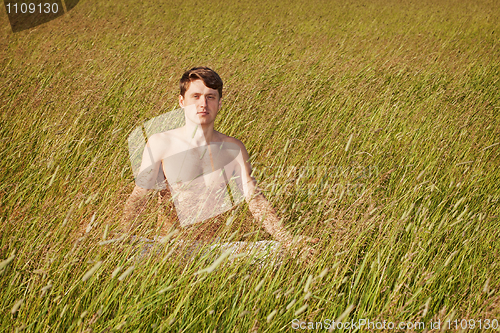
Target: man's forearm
264	213
135	203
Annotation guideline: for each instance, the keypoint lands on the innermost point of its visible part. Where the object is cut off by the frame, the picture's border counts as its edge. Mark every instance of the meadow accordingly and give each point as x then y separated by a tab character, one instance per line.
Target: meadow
373	125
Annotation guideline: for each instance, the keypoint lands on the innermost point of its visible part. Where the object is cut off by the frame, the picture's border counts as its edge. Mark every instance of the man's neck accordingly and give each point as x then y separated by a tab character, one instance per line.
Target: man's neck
199	135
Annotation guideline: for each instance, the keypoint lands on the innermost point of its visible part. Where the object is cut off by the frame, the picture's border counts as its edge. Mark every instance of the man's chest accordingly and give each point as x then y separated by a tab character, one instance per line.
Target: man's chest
212	163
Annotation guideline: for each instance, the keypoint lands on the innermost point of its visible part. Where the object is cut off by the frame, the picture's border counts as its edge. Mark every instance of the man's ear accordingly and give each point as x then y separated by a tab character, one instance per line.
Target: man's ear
181	101
220	103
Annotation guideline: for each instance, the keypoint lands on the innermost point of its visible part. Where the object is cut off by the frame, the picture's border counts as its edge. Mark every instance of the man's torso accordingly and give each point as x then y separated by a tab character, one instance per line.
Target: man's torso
205	181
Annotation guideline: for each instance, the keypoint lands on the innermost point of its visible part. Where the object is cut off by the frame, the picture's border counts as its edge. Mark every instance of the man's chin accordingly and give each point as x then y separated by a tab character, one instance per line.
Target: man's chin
203	122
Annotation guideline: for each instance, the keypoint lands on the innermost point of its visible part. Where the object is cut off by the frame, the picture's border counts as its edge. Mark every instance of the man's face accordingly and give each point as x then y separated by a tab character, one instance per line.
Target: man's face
200	103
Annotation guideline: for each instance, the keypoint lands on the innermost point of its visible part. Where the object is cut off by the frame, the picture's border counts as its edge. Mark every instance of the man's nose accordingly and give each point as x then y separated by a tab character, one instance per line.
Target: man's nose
203	101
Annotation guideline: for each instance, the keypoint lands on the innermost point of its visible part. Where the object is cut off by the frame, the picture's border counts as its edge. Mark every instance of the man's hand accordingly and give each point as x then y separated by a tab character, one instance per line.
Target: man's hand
263	211
299	248
307	239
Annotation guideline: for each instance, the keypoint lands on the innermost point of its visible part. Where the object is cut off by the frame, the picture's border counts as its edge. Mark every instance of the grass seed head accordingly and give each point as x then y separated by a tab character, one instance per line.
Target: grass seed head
91	223
292	302
345	313
450	258
126	273
308	284
53	176
169	253
486	287
20	328
463	213
301	309
120	325
47	287
63	311
91	271
458	203
16	306
289	291
271	315
243	313
171	234
217	262
105	234
349	142
323	273
257	287
7	261
162	291
426	307
116	271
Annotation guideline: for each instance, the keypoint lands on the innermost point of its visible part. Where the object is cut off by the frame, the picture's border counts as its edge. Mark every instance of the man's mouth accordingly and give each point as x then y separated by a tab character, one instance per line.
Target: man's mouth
203	113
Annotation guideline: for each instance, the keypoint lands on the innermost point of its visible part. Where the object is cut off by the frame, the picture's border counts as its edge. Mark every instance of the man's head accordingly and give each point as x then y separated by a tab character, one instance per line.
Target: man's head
209	77
201	92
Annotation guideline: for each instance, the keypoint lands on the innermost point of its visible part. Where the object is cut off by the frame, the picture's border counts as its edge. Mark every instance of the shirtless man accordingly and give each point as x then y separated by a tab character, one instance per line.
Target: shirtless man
194	157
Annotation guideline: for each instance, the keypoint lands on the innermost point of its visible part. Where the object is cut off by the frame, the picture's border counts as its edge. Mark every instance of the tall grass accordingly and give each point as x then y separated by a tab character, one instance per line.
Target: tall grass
373	125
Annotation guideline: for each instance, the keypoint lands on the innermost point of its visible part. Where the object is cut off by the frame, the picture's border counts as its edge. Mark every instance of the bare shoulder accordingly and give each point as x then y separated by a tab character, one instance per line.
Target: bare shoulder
227	138
161	143
244	152
159	139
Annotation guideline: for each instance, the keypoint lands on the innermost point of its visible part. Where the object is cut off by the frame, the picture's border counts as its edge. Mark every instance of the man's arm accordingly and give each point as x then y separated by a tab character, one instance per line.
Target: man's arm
259	206
264	213
145	183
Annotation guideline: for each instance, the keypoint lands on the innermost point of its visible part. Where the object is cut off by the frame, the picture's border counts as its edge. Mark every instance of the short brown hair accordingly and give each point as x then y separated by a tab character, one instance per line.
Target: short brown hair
209	77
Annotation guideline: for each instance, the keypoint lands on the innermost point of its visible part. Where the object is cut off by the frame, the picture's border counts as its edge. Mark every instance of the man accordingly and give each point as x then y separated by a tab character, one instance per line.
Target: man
199	164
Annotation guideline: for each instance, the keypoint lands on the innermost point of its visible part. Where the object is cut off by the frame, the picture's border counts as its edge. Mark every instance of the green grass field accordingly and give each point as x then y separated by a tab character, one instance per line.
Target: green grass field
374	125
